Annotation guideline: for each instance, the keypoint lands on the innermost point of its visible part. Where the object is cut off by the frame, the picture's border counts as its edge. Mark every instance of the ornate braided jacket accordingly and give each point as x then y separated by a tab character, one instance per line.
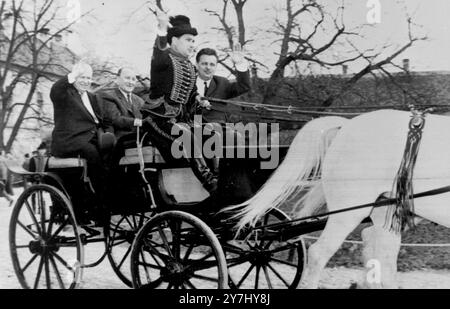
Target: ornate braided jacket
173	84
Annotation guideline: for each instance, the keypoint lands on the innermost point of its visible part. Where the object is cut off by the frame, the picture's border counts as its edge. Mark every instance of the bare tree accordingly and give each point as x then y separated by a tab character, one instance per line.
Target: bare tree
299	45
234	34
28	55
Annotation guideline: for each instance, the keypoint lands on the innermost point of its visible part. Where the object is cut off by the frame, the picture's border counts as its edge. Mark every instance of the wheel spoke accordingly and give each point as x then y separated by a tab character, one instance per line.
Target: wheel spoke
258	269
153	284
30	211
135	223
188	252
60	228
283	262
152	251
124	257
155	259
233	248
201	264
245	275
176	239
50	224
278	275
30	262
117	226
58	275
269	243
266	273
27	229
154	244
145	268
205	278
47	273
164	239
62	261
150	265
128	221
42	207
38	275
142	218
240	262
189	284
118	243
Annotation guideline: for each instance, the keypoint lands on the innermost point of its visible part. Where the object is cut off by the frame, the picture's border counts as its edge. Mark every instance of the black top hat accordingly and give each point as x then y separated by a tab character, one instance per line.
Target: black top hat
180	25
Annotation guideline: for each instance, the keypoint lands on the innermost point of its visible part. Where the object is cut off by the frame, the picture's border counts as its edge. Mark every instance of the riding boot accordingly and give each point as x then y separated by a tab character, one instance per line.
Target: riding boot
216	165
208	179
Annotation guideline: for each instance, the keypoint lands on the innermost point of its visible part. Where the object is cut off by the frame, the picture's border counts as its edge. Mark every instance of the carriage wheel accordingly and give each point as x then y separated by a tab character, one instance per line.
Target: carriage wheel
176	250
256	263
122	232
46	248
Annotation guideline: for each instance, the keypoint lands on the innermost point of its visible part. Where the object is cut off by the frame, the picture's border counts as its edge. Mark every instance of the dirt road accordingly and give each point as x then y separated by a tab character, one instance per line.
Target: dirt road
103	277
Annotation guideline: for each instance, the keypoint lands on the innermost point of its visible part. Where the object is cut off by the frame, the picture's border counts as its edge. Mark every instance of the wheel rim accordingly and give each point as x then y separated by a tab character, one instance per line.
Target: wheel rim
122	233
175	250
45	246
256	263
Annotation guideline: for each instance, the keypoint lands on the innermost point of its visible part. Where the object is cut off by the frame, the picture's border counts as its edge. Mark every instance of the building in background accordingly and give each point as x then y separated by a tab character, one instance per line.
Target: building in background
54	61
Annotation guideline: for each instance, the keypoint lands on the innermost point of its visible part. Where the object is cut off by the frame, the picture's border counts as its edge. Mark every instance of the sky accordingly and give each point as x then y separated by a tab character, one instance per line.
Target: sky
125	30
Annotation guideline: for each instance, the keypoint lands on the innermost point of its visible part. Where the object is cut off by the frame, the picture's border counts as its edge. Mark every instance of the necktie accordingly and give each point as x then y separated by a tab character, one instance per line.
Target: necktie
206	88
129	98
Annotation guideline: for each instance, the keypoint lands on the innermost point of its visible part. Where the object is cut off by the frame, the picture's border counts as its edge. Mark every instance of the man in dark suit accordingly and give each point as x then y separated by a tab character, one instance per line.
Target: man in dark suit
122	105
211	85
78	114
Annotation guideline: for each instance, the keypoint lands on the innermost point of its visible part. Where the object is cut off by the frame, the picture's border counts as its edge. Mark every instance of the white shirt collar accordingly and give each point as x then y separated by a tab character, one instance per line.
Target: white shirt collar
201	85
125	94
87	103
208	82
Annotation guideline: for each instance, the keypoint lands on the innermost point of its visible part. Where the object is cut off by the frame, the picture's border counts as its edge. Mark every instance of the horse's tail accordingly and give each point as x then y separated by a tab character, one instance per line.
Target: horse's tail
300	166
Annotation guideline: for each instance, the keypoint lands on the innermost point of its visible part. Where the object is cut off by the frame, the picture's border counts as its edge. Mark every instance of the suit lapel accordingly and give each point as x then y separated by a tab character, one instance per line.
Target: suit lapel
77	97
95	106
212	87
123	101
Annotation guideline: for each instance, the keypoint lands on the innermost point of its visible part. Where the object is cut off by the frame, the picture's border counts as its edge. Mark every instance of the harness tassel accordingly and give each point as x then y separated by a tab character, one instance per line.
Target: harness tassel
401	215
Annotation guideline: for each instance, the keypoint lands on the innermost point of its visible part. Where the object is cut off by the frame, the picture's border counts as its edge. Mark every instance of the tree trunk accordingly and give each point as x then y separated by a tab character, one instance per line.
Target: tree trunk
23	112
283	60
275	79
241	23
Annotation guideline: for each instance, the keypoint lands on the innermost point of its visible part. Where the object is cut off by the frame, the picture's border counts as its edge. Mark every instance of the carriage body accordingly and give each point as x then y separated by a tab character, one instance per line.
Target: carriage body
57	216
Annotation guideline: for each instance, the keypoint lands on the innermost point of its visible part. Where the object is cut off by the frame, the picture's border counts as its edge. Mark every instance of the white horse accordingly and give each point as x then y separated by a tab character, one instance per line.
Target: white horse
358	167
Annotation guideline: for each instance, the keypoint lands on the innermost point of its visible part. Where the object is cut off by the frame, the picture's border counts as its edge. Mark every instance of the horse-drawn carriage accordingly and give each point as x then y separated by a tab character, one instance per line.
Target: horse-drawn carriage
165	231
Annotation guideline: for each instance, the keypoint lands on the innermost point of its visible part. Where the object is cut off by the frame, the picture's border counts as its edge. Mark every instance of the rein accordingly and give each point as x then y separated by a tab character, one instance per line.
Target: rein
377	204
309	110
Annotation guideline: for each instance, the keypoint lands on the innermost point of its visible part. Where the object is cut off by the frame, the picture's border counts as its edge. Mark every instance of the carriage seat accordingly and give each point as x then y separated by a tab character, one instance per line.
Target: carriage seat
150	153
57	163
41	164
